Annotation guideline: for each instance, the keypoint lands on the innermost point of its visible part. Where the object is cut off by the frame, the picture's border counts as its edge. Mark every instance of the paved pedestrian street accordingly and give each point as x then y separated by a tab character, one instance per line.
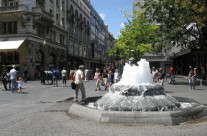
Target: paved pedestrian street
41	110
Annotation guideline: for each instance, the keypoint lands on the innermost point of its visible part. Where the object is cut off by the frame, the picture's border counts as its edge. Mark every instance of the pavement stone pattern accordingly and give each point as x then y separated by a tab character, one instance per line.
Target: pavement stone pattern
42	111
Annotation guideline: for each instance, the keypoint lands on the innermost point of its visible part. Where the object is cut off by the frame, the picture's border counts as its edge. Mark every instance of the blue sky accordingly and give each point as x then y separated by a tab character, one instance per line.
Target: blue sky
110	12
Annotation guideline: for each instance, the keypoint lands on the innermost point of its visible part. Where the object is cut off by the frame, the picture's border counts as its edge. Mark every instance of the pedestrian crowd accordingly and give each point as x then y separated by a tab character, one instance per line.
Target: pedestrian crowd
104	77
159	76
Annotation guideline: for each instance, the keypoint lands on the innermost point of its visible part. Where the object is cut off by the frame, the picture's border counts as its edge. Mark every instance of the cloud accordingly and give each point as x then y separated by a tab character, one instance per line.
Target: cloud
102	16
122	25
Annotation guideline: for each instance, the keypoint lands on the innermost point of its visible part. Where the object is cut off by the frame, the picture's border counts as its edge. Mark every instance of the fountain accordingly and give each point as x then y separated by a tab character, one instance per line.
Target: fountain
136	99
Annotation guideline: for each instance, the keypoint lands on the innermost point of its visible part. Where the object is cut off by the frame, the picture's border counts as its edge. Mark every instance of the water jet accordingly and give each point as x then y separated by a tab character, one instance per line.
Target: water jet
137	100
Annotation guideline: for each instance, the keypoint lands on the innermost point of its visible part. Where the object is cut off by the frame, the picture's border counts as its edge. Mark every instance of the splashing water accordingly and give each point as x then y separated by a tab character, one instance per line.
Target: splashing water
133	75
137	92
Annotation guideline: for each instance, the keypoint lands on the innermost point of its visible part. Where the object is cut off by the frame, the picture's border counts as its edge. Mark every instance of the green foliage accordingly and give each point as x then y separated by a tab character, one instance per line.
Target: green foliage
138	37
182	22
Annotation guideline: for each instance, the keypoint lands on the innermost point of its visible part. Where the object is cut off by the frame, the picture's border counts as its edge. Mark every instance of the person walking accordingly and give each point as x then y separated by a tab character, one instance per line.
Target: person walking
111	79
154	74
86	72
172	75
97	77
42	75
35	73
55	76
116	76
78	79
25	75
13	77
105	77
64	75
161	76
191	76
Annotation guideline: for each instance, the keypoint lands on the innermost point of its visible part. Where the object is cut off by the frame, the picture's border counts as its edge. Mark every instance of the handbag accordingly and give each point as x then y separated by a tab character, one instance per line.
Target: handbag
73	85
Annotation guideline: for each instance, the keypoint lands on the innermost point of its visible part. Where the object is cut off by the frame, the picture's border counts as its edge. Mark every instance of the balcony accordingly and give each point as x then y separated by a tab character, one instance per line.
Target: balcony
41	11
13	8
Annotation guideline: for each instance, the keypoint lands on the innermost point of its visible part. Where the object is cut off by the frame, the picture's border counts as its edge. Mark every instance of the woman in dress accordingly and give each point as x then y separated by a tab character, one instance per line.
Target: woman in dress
97	77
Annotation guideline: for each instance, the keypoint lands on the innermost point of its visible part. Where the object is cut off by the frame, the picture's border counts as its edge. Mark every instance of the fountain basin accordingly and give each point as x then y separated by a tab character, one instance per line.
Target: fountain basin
140	97
139	117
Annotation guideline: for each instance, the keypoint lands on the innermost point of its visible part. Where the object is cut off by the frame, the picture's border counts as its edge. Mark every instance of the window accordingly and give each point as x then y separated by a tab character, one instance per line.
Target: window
51	11
5	3
57	18
63	22
63	4
41	30
10	57
40	3
9	27
54	36
62	39
51	32
38	56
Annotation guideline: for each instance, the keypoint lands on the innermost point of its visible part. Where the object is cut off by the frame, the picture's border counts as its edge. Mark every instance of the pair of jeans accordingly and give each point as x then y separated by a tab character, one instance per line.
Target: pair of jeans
13	85
172	79
192	83
64	79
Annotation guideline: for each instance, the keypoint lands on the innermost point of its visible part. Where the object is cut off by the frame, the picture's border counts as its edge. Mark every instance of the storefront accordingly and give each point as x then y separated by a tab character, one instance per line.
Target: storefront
9	53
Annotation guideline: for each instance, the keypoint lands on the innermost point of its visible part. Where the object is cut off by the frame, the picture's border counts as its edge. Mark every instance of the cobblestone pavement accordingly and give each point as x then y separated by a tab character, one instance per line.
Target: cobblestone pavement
42	111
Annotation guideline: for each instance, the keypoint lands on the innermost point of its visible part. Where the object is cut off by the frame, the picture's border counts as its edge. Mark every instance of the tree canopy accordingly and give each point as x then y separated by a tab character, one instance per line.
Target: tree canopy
182	22
138	36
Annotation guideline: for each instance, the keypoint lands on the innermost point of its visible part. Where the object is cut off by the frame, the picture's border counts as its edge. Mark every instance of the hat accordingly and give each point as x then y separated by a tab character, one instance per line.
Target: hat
81	66
13	66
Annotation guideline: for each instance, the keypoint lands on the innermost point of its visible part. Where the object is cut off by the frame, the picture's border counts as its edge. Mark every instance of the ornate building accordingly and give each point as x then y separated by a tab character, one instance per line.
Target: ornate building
33	34
51	34
99	39
78	21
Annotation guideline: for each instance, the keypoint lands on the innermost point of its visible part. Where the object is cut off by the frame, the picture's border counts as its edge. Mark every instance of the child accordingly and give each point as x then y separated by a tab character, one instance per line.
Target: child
20	85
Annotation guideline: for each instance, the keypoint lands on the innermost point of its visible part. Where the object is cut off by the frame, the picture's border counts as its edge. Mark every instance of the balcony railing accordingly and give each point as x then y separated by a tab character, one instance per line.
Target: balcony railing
13	8
8	8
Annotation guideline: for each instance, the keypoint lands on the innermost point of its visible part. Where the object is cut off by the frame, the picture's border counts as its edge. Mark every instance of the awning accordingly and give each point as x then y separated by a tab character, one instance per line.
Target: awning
11	43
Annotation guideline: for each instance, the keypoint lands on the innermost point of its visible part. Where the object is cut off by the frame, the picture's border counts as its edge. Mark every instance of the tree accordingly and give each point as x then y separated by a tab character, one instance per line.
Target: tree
138	36
182	22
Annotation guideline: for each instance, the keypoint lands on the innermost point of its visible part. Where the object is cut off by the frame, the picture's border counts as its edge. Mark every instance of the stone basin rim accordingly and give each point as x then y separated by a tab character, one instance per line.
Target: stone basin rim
138	117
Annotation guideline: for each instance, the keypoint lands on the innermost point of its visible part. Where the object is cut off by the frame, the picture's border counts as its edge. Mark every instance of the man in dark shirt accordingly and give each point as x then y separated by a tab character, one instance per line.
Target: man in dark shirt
25	75
42	75
161	76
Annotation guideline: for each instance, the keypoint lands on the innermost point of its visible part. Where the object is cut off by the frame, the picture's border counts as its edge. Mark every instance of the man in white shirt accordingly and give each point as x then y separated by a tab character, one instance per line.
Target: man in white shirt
13	77
64	74
78	79
86	74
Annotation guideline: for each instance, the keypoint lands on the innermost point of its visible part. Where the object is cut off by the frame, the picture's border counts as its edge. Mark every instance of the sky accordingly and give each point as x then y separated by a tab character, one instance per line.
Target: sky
109	11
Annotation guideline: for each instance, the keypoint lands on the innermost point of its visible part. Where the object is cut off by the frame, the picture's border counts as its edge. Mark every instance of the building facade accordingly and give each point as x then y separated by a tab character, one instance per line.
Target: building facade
78	33
99	39
33	34
49	34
